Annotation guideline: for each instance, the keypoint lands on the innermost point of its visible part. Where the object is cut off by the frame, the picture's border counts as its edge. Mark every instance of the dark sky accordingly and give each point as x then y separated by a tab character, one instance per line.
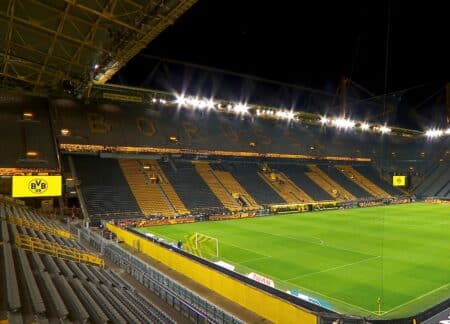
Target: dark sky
313	43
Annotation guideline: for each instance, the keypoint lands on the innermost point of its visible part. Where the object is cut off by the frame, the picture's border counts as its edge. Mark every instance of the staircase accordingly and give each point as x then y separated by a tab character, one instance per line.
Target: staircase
284	187
210	178
329	185
362	181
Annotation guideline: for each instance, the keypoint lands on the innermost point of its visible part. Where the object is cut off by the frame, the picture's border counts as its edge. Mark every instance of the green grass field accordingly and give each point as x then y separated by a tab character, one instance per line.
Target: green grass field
346	257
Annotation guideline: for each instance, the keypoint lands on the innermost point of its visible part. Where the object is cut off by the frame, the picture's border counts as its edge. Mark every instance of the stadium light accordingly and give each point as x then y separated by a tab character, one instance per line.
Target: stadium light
385	130
241	108
433	133
180	100
324	120
285	114
343	123
210	104
364	126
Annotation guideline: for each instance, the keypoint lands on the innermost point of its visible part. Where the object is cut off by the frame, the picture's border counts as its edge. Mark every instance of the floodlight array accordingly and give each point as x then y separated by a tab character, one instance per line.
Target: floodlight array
436	133
240	108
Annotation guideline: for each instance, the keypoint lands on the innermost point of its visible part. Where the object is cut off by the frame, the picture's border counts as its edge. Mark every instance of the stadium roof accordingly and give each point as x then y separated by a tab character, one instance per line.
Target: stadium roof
48	45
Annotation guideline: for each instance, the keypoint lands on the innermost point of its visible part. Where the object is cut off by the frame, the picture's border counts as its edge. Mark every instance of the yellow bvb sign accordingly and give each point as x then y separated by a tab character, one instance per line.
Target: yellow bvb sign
36	186
399	181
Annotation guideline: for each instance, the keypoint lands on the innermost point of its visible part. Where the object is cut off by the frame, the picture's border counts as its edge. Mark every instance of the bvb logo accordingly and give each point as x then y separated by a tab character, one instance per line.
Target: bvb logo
37	186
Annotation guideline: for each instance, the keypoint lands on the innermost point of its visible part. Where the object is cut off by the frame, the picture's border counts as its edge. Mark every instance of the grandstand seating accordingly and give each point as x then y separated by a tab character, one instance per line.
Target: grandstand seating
372	174
43	288
217	187
233	187
362	181
150	197
167	188
284	186
437	184
103	186
329	185
247	175
296	174
344	181
184	178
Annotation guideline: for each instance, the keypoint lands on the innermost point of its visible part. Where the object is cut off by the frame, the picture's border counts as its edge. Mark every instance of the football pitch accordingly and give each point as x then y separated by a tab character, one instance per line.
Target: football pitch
393	258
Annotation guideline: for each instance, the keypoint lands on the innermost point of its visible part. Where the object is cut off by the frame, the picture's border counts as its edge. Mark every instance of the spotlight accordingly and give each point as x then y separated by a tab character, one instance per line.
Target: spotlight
343	123
364	126
323	120
384	129
433	133
180	100
241	108
210	103
447	131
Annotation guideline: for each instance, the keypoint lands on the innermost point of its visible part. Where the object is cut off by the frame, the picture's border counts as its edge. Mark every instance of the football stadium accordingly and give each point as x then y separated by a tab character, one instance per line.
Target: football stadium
199	195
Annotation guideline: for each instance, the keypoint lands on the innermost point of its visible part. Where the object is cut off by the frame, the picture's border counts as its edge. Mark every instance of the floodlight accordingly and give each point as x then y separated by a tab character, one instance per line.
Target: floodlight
364	126
323	120
241	108
343	123
432	133
384	129
180	100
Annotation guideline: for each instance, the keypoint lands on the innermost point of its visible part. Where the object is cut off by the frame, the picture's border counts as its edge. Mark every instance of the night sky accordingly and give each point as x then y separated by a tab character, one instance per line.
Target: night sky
314	43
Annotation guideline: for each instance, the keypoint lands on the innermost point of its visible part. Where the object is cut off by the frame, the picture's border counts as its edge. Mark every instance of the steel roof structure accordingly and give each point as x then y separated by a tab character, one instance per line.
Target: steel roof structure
51	45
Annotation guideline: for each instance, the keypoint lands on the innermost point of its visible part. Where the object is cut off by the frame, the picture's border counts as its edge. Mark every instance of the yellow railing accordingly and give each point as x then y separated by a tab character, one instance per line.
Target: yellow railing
34	244
41	227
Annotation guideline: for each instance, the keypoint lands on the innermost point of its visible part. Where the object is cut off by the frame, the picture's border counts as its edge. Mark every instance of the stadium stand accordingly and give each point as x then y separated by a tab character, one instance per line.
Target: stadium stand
372	174
296	173
104	187
44	288
215	185
247	175
183	178
333	188
437	184
150	196
362	181
345	182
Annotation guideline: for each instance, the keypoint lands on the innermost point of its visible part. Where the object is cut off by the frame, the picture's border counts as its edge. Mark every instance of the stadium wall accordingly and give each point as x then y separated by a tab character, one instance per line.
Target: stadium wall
273	308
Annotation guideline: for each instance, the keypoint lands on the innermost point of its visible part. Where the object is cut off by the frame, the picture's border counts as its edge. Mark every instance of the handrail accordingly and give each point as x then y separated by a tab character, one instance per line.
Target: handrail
40	227
34	244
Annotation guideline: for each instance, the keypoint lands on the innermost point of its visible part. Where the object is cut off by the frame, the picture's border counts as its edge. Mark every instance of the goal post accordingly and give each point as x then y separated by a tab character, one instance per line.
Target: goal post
206	246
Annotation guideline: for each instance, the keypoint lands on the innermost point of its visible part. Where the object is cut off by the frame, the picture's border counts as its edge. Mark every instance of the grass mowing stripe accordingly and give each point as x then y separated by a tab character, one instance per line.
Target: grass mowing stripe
335	268
334	254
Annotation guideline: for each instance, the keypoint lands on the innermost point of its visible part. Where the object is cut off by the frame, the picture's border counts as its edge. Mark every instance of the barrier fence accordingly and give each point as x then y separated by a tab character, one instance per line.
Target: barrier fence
188	303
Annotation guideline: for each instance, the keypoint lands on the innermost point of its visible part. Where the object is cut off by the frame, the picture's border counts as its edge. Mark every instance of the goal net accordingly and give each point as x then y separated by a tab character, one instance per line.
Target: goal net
202	245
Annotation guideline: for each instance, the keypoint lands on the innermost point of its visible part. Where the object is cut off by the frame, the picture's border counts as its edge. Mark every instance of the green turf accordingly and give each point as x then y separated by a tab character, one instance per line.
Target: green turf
347	257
